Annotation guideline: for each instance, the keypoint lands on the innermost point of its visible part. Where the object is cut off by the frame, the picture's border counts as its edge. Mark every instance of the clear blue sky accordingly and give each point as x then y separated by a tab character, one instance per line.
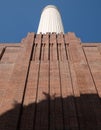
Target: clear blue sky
18	17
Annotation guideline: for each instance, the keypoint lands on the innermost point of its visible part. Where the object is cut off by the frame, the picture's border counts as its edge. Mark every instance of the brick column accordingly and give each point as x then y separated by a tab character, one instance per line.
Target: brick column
84	82
17	84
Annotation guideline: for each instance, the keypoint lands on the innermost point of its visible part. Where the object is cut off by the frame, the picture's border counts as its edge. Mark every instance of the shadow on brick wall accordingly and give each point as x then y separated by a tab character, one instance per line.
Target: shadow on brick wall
55	113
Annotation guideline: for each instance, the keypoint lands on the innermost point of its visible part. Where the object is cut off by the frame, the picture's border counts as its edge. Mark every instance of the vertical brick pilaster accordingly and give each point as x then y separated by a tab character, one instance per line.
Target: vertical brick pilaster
38	40
53	50
56	115
84	82
78	59
74	83
42	110
17	82
45	41
28	114
61	47
70	116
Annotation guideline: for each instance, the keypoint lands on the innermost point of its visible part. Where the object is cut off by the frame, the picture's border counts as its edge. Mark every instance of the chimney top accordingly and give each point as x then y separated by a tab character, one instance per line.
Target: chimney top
50	20
50	6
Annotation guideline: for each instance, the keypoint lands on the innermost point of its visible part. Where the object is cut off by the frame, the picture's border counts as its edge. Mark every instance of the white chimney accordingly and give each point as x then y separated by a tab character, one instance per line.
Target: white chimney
50	20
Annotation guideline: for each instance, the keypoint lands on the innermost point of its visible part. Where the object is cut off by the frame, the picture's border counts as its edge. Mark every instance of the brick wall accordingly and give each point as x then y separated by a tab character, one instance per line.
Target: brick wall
50	81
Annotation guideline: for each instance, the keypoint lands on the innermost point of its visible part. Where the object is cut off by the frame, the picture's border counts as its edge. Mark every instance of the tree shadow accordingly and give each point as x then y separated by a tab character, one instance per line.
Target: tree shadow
55	113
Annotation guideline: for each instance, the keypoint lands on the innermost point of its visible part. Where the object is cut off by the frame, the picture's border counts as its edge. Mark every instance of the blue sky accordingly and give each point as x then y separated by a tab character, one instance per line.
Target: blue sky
18	17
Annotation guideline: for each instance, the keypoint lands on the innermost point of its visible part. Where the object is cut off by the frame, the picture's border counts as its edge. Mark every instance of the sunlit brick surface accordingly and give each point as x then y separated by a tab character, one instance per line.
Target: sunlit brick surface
50	82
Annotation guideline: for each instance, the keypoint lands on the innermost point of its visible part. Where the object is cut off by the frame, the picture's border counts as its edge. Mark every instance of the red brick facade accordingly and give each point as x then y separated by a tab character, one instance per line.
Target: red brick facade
50	82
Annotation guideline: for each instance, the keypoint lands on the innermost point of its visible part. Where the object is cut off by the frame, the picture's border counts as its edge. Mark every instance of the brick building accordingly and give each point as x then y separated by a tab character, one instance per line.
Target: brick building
50	82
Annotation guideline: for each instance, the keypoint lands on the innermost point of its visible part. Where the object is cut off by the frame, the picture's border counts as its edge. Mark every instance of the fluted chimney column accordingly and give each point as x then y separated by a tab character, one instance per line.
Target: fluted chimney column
50	20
